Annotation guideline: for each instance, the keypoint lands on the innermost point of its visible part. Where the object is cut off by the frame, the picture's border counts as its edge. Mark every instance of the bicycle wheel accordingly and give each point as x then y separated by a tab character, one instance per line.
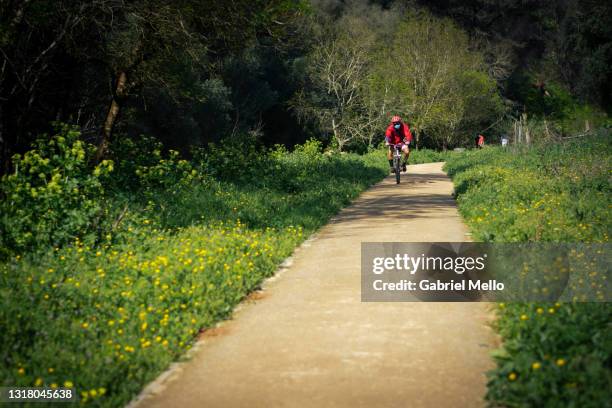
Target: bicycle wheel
396	166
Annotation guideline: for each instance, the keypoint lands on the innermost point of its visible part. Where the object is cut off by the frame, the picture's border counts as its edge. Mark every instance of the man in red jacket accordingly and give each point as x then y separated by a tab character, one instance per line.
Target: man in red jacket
480	140
398	133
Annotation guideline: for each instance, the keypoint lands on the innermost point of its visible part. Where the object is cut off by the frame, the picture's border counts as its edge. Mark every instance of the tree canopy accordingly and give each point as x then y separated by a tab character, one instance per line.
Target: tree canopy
193	72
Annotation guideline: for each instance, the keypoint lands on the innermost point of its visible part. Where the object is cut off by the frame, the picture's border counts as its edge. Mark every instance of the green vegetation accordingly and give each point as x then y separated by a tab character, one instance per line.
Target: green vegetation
354	85
113	270
429	156
553	192
553	354
557	43
563	112
556	354
191	72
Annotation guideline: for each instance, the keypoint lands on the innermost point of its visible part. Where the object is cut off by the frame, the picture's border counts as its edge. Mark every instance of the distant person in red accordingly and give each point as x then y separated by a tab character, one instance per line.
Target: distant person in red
398	133
480	141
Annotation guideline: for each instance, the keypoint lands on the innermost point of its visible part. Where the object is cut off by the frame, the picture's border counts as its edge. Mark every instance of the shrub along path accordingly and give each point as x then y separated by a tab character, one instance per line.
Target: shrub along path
307	340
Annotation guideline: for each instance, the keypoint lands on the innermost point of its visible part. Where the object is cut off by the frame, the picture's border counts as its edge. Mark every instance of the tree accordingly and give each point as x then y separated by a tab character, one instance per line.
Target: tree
340	94
142	46
118	66
566	41
337	74
436	80
28	62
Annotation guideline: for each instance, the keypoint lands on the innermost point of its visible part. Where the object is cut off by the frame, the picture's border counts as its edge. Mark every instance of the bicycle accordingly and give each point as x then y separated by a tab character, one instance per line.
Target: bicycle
397	161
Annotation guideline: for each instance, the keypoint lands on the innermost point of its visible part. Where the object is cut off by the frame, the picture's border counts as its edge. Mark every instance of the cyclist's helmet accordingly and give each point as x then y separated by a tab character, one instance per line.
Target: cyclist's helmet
396	119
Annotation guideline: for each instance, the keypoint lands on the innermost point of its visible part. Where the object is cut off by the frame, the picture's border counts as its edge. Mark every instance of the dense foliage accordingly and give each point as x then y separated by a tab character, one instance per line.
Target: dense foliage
557	354
186	72
428	71
566	42
52	196
191	72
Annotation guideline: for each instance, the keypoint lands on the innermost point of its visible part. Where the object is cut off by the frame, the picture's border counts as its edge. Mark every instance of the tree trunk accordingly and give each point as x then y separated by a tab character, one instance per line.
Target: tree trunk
527	136
335	130
546	129
111	116
4	149
527	132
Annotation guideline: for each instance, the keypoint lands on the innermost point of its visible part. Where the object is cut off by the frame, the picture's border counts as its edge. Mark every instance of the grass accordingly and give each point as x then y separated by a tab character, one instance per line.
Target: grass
109	320
553	354
429	156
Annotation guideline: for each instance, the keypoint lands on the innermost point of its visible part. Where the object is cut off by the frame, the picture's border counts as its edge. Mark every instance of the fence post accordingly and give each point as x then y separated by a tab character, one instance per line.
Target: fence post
527	133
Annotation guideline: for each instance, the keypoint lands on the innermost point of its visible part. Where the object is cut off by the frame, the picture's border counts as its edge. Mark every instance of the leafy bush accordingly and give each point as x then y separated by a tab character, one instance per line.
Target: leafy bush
142	166
53	195
291	171
574	119
553	354
563	111
234	159
553	101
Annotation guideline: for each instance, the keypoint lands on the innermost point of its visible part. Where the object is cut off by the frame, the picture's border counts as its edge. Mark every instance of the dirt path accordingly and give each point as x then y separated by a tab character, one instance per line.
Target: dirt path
308	341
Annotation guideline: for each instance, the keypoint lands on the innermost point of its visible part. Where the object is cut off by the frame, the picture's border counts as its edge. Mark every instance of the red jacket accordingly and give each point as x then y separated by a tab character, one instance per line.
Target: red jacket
398	136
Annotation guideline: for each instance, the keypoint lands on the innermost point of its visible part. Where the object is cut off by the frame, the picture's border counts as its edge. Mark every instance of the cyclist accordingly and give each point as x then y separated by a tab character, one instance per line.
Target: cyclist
398	132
